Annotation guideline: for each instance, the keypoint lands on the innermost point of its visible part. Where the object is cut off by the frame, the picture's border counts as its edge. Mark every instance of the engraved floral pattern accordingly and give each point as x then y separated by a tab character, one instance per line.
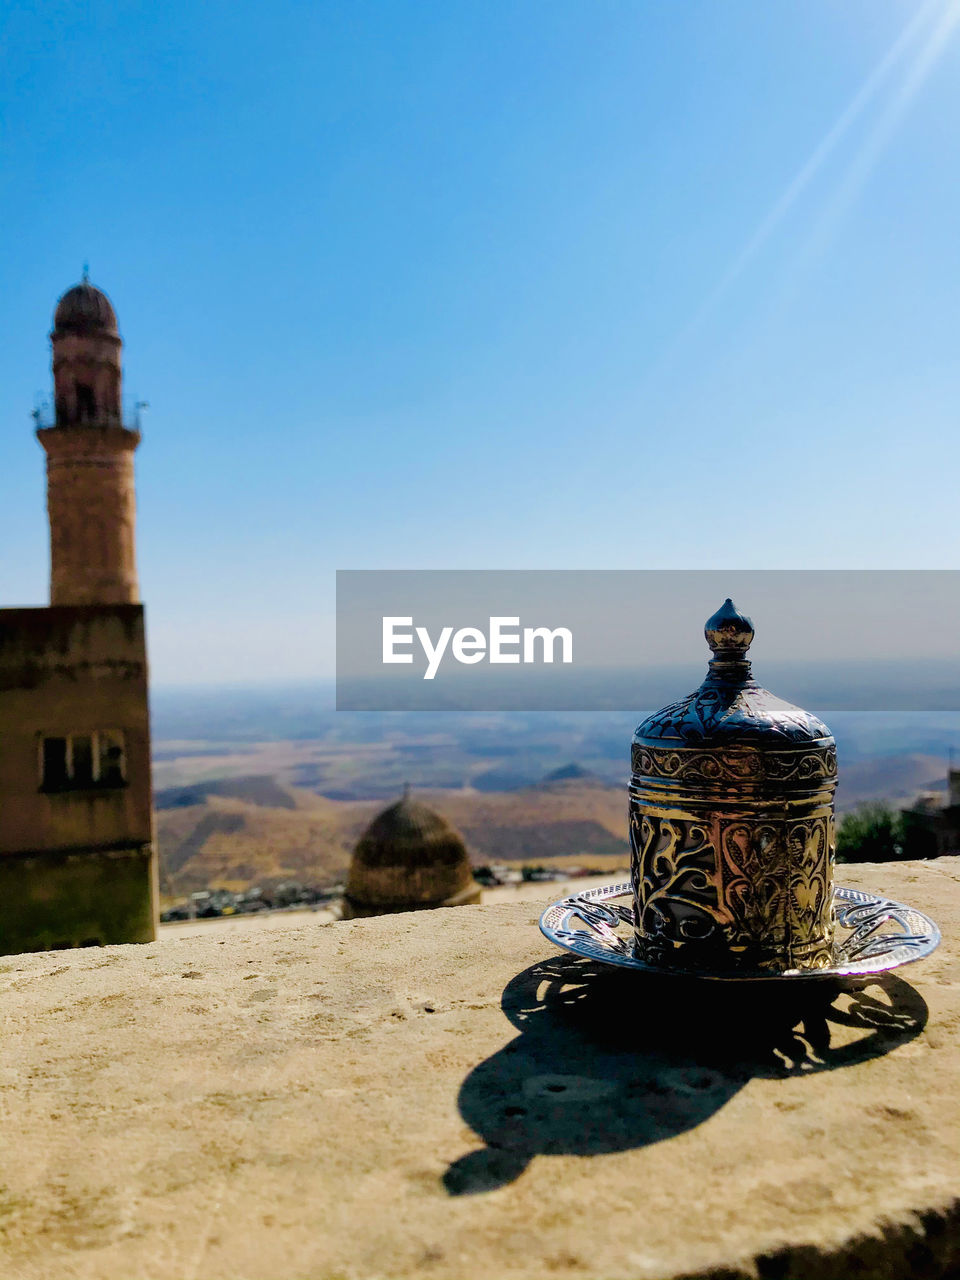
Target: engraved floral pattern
731	891
674	873
731	765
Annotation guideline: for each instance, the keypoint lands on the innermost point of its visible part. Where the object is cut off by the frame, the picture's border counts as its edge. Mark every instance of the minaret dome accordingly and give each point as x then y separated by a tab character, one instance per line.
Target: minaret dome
85	309
87	377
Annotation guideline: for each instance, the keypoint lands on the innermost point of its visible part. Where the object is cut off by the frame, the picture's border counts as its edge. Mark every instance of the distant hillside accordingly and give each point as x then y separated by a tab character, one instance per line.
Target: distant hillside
573	773
896	779
236	842
257	789
224	841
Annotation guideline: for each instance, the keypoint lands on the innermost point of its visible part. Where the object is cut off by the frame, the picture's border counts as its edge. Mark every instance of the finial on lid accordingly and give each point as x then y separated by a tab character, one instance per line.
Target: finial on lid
729	632
86	273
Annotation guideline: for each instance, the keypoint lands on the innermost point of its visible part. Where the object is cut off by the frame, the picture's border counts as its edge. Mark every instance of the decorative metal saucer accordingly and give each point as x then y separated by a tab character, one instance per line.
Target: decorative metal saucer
872	934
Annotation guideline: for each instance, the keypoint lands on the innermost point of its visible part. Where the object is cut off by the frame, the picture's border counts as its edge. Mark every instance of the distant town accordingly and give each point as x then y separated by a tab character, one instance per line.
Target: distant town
290	895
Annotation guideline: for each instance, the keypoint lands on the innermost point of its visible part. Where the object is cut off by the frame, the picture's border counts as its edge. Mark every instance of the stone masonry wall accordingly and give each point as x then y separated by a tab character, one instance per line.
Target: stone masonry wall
91	504
442	1095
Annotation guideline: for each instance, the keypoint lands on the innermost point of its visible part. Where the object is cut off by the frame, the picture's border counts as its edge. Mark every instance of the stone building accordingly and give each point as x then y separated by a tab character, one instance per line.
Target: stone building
77	859
409	858
931	826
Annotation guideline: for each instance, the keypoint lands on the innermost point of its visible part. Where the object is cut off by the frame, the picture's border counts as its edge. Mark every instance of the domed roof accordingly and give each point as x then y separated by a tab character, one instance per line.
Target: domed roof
730	706
409	857
406	834
85	309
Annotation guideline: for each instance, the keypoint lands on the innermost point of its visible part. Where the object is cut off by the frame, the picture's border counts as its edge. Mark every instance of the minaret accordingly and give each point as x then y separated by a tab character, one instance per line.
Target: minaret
90	491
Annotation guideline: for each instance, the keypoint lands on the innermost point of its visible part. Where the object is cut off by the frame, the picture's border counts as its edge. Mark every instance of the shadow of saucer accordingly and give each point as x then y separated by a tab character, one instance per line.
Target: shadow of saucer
607	1061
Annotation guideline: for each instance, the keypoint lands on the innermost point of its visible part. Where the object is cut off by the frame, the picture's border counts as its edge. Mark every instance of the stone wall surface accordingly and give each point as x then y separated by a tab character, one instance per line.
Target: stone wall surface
76	865
442	1095
91	505
72	670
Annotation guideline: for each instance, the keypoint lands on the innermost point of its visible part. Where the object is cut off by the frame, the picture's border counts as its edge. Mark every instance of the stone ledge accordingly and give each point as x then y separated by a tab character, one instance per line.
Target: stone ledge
442	1095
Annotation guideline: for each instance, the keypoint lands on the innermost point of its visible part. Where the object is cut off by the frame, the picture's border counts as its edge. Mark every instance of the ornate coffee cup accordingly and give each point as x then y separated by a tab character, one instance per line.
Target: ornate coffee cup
732	824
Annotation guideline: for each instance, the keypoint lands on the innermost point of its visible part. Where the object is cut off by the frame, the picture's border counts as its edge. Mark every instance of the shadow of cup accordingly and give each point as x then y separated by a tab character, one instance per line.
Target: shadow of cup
608	1061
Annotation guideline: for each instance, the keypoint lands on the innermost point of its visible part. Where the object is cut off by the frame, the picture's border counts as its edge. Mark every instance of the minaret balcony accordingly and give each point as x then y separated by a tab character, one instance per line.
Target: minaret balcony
46	415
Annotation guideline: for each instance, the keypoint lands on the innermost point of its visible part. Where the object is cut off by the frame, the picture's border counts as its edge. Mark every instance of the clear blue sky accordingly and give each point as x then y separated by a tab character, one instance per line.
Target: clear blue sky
417	284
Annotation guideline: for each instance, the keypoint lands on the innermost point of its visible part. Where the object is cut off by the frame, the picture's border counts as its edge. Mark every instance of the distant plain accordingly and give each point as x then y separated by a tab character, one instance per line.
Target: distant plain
263	785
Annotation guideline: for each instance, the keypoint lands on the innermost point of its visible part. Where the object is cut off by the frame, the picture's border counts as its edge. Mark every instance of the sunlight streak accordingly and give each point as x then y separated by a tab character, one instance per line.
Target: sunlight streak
866	159
868	91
